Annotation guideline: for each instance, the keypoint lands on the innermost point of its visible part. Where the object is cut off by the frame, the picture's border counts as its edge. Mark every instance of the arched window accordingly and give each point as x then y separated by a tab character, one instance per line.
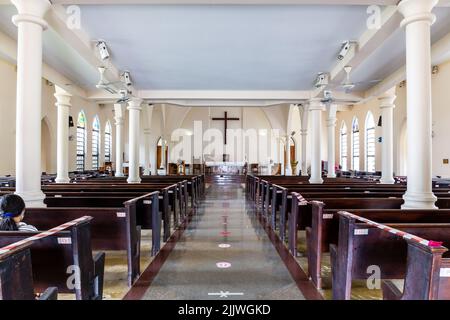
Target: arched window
81	141
370	143
355	145
108	142
95	143
343	139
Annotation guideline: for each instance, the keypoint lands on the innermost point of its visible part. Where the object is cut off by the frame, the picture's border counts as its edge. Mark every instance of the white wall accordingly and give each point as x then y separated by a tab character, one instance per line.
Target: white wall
8	77
441	121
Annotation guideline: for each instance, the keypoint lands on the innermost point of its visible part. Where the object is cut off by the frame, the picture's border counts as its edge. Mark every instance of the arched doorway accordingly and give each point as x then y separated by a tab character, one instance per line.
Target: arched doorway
159	153
293	154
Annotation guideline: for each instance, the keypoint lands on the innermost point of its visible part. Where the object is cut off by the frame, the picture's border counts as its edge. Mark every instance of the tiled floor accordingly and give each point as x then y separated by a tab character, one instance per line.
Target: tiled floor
224	250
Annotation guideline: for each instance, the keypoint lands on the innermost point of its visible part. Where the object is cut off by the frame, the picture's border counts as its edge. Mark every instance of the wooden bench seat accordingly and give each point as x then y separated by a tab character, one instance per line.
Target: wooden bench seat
398	254
63	253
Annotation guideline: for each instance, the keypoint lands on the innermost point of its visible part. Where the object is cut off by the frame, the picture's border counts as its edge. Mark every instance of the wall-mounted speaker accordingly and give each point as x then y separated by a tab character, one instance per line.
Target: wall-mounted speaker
71	122
380	121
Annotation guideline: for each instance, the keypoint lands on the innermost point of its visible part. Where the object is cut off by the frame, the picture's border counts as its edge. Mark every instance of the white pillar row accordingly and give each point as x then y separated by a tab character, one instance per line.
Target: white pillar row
119	118
288	168
304	114
147	136
147	133
418	21
30	24
163	154
134	110
331	125
387	144
62	151
315	108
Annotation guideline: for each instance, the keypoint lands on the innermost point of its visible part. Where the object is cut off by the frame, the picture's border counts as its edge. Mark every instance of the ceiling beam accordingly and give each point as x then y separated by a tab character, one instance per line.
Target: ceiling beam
440	53
239	2
8	51
369	42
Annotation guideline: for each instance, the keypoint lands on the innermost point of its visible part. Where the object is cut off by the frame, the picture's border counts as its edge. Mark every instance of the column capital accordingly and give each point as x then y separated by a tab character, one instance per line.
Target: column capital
331	122
387	99
119	121
62	97
417	10
31	11
135	104
316	104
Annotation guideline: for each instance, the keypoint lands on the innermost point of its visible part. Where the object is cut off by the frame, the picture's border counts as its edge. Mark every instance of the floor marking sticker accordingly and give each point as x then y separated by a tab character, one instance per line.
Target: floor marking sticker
225	294
223	265
224	245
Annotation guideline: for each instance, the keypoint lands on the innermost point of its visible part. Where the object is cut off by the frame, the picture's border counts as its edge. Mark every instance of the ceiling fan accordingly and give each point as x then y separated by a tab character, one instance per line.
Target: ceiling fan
328	98
111	87
349	85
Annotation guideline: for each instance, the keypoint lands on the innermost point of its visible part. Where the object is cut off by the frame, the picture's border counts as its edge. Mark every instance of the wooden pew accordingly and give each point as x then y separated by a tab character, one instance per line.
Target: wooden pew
144	205
16	276
111	229
324	228
400	250
55	255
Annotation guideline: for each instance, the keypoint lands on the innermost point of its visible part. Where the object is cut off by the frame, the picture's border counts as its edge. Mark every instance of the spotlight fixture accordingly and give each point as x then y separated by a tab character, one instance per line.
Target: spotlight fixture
103	50
346	46
126	78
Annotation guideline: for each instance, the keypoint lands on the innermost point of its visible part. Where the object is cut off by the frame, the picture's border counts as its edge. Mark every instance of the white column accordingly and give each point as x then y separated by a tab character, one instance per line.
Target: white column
119	118
418	21
134	108
30	24
315	108
288	168
163	154
387	143
62	151
304	115
331	125
147	133
304	135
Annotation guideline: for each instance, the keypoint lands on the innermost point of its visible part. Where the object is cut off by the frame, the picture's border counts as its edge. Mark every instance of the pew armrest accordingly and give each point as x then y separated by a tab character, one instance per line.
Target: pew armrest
49	294
390	291
99	269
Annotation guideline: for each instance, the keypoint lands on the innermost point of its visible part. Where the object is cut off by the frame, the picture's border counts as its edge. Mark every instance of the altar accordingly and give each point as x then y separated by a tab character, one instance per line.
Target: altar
226	168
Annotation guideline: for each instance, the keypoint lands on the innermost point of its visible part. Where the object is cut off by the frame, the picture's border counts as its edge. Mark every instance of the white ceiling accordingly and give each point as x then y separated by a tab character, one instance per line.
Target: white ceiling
214	47
224	47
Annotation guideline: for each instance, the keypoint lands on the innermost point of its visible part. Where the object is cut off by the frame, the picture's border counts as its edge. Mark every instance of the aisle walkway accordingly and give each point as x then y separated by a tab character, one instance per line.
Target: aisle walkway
224	250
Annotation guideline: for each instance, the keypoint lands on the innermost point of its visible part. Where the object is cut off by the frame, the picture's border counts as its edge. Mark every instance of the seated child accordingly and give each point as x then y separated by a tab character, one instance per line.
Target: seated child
12	213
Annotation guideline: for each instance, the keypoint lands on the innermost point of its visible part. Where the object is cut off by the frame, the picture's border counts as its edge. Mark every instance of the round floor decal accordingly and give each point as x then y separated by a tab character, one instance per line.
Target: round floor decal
223	265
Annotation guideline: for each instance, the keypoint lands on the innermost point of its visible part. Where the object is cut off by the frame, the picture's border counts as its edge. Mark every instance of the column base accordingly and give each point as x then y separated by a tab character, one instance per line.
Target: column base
119	175
146	172
62	180
332	176
134	180
416	200
316	181
33	199
387	181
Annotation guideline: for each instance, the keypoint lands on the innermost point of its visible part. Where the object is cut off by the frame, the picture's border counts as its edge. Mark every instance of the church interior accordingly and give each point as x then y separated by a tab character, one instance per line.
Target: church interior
224	150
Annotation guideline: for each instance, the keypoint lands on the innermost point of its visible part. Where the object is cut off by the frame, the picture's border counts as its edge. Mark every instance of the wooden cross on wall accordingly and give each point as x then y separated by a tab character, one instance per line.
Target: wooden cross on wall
226	119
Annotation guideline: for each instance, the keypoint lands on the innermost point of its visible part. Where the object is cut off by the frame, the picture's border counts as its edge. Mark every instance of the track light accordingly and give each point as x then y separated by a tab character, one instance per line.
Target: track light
103	50
126	78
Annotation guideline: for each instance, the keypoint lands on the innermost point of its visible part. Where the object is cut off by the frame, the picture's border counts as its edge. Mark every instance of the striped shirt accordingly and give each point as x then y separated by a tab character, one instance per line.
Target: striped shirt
23	227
